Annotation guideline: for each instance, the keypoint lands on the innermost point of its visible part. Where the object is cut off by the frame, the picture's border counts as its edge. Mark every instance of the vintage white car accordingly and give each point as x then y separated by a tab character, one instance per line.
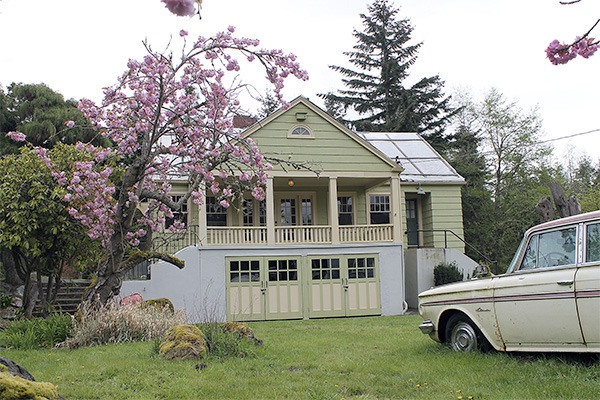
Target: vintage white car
548	300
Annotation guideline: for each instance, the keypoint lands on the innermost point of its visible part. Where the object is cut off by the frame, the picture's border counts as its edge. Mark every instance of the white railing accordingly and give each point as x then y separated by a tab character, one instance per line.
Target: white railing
366	233
250	235
234	235
303	234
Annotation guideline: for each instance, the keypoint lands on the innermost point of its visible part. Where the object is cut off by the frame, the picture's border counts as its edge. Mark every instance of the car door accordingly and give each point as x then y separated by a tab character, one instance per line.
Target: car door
535	305
587	286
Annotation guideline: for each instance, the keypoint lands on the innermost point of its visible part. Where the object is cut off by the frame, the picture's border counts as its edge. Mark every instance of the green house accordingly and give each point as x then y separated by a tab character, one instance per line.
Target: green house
356	233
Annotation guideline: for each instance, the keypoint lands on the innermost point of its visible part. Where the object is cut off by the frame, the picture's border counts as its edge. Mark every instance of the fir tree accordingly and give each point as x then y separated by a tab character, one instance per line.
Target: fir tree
376	90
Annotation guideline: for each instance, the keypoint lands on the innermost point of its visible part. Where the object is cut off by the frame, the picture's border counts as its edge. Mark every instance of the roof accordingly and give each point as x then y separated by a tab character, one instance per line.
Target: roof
421	163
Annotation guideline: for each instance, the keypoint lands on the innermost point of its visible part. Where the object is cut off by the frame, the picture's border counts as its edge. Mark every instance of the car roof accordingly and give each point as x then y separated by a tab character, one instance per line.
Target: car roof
574	219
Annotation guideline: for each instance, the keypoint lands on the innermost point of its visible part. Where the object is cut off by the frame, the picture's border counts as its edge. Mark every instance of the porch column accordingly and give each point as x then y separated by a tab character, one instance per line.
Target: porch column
270	205
396	208
202	229
333	211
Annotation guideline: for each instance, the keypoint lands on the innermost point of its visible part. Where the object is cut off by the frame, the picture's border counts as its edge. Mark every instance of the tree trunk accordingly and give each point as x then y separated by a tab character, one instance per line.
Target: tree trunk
546	209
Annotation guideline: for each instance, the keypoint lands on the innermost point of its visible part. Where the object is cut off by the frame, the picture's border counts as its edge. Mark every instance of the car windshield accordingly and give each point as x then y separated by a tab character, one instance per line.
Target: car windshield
514	263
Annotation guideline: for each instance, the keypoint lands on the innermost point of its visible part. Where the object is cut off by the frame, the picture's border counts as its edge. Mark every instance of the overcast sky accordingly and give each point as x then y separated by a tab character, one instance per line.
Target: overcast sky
77	47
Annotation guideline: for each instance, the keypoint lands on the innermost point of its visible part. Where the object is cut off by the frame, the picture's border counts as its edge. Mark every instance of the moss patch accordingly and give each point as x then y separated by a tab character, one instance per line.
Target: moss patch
183	342
16	388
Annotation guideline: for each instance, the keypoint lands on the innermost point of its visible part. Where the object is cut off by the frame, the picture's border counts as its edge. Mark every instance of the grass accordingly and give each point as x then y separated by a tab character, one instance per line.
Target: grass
353	358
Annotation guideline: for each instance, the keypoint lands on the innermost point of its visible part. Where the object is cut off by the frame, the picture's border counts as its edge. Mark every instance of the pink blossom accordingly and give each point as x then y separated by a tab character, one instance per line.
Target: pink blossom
70	124
183	33
16	136
181	8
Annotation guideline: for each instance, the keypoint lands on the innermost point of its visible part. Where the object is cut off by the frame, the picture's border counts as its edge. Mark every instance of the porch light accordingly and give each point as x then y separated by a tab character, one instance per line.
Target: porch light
291	182
420	190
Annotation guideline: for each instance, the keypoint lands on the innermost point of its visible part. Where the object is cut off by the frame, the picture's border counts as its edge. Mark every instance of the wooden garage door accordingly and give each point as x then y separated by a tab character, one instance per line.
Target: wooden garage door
267	288
344	286
264	288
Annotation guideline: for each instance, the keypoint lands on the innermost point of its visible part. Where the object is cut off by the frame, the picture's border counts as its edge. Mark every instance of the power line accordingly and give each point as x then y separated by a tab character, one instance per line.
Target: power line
568	136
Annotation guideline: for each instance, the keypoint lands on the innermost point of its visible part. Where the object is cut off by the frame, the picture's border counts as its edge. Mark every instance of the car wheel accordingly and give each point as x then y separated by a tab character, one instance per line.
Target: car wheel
463	335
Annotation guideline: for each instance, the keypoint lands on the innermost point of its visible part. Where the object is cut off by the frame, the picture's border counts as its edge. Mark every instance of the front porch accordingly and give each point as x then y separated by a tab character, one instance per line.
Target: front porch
299	209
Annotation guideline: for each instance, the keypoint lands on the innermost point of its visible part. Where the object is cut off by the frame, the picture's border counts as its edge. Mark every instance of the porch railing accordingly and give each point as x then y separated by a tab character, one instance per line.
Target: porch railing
366	233
303	234
250	235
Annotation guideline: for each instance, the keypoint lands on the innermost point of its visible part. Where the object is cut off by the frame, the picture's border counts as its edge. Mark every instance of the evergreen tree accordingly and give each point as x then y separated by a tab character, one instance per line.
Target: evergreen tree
376	89
40	113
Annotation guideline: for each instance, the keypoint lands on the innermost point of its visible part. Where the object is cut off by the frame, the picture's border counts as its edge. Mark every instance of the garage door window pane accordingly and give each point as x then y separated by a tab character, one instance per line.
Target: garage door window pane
363	267
325	268
282	270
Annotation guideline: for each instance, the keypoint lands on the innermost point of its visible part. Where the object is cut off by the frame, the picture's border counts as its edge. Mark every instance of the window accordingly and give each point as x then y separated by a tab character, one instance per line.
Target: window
325	268
363	267
180	215
216	214
249	210
300	131
345	210
551	249
592	243
283	270
380	209
244	271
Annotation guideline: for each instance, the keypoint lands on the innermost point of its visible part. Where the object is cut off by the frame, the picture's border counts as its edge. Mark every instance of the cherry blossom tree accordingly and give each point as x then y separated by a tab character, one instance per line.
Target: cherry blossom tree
168	116
583	46
183	7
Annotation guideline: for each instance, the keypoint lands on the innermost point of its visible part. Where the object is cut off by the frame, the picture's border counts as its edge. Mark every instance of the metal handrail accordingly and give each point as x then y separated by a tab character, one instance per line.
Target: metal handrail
446	231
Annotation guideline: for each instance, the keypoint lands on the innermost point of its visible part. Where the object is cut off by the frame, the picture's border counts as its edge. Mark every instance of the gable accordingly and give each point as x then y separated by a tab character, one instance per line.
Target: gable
321	141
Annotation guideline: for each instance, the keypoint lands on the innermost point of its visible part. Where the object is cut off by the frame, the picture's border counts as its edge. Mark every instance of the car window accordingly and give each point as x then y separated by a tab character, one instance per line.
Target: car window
592	243
557	248
530	257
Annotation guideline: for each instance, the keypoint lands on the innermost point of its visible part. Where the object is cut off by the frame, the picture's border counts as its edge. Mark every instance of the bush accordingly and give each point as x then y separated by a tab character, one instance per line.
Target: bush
446	273
116	324
37	333
225	343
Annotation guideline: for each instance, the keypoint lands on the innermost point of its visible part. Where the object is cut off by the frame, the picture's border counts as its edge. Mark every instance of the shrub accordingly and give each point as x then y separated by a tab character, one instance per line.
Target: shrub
27	334
224	342
446	273
115	324
5	300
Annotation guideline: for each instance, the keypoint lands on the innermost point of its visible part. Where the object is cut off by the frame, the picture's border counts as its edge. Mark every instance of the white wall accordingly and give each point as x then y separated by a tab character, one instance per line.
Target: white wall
419	269
200	289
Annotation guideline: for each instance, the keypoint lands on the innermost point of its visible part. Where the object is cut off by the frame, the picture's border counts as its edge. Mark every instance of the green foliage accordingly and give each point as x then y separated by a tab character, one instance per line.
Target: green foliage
496	147
5	300
36	333
377	89
444	273
224	343
40	113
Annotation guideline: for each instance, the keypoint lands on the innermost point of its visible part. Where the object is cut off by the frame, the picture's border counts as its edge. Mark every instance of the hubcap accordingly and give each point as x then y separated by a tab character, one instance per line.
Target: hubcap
463	337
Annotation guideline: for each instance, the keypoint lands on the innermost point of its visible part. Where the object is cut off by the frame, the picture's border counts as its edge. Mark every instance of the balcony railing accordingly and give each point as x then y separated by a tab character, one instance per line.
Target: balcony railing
247	235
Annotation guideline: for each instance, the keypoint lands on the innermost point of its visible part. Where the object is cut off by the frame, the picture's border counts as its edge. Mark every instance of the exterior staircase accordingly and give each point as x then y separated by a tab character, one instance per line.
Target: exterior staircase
69	296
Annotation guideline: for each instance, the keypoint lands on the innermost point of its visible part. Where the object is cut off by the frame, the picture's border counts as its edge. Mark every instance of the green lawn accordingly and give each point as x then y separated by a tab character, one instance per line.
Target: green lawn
366	358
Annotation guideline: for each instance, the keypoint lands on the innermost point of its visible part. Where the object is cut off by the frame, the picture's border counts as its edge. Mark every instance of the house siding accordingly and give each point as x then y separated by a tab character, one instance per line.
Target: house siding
328	150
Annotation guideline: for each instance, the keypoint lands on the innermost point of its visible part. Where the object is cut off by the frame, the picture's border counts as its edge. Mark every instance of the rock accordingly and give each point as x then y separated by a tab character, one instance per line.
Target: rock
17	383
183	342
160	303
15	369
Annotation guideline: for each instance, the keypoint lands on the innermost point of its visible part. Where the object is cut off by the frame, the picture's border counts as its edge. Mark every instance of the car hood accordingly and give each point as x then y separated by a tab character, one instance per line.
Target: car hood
459	287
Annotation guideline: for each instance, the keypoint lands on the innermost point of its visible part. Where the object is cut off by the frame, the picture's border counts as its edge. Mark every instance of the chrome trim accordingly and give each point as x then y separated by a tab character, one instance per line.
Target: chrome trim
427	327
